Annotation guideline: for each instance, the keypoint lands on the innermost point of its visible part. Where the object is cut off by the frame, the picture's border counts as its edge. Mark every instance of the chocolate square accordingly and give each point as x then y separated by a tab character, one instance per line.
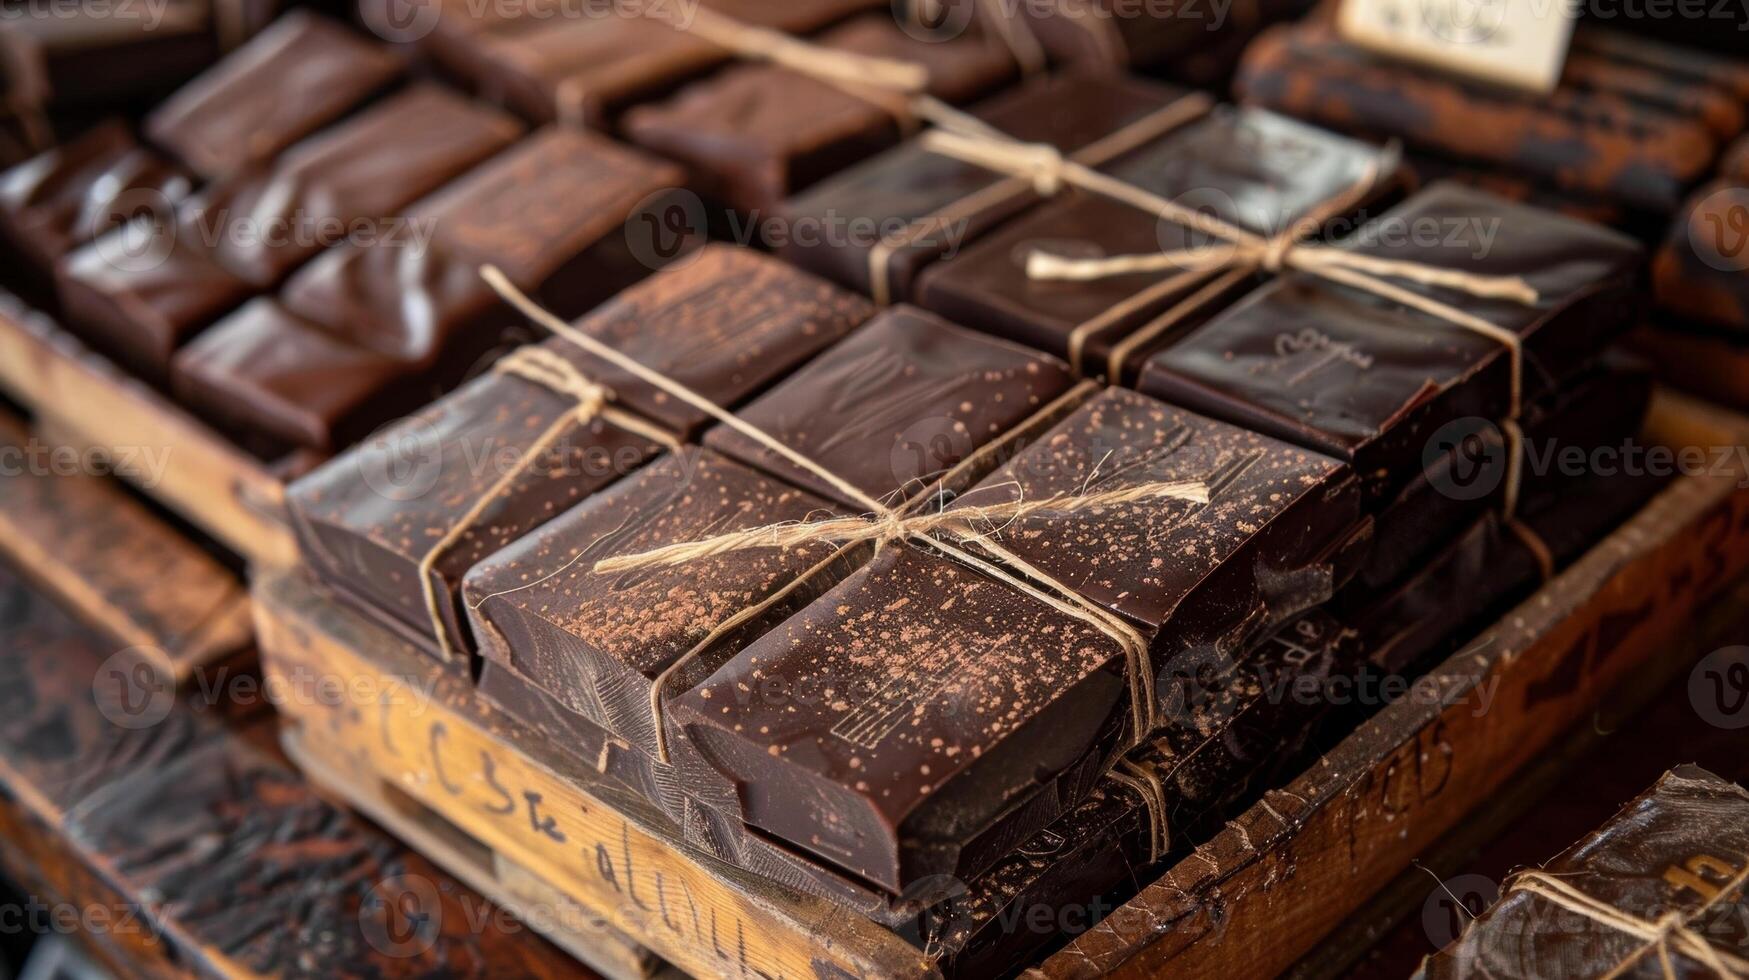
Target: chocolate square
290	80
1367	380
550	213
70	194
753	134
893	407
834	228
597	640
552	65
1256	170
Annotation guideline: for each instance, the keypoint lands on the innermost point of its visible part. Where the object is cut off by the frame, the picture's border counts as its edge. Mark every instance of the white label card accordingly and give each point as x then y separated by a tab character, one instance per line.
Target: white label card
1520	43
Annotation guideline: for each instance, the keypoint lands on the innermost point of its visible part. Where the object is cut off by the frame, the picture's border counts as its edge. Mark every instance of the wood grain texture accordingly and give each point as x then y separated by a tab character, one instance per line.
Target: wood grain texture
370	704
1295	865
185	848
116	565
208	480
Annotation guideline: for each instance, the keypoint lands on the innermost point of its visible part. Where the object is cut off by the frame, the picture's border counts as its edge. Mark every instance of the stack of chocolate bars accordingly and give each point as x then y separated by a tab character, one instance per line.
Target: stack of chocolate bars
935	624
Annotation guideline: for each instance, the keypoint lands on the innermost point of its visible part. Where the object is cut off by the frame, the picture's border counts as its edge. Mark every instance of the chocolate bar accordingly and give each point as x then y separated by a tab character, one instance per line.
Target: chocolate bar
369	542
1258	171
1672	862
521	210
1673	62
242	235
908	207
1601	409
1698	272
75	192
1196	44
111	58
895	406
292	79
920	703
554	65
1580	142
753	134
1336	369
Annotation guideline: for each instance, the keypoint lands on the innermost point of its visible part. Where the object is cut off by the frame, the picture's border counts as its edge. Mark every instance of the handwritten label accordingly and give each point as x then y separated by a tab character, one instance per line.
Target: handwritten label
1519	43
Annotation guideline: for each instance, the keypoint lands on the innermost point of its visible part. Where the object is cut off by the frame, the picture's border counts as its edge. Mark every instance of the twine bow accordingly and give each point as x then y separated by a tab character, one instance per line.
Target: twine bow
547	369
892	523
1668	933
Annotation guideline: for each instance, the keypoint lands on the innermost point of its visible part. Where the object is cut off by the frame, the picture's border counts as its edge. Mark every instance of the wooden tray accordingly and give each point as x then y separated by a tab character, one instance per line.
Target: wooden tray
86	402
376	715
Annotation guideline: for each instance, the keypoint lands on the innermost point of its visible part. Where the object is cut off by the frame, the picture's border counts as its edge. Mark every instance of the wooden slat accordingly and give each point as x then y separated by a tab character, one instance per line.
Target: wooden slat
186	848
117	565
207	479
1291	869
367	703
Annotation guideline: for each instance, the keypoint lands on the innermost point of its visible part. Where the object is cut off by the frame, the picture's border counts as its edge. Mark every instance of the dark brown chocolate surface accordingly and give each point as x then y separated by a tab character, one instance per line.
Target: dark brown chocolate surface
1360	377
879	701
584	69
97	58
679	322
1254	169
1672	851
874	200
894	406
290	80
1271	507
70	194
753	134
597	641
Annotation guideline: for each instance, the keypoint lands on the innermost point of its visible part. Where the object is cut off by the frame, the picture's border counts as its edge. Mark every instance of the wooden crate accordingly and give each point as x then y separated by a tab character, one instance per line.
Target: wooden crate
86	402
1289	869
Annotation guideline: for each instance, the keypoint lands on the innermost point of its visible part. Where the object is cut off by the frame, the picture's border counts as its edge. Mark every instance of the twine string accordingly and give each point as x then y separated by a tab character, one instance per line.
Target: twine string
1669	933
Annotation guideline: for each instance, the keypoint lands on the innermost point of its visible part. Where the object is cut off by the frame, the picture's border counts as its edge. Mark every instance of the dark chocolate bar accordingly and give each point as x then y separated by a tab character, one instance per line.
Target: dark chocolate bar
1699	272
908	207
895	406
75	192
1256	170
557	64
1582	142
242	235
367	537
115	57
1196	43
751	135
1363	378
1677	854
904	724
290	80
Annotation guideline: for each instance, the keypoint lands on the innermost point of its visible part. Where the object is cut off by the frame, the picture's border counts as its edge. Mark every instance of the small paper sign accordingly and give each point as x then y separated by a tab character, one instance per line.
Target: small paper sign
1520	43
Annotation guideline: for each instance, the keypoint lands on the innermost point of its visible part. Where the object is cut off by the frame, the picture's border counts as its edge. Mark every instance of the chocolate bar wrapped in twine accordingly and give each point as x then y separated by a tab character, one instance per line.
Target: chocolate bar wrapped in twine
547	369
945	532
1667	935
1239	253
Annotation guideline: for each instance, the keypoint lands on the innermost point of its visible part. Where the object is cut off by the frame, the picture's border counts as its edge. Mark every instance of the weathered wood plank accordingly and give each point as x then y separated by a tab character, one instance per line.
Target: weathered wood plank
197	852
205	478
368	702
115	564
1294	866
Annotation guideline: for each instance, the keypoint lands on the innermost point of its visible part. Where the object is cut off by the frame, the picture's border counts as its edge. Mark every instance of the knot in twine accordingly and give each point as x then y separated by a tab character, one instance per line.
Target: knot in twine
1667	933
885	524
